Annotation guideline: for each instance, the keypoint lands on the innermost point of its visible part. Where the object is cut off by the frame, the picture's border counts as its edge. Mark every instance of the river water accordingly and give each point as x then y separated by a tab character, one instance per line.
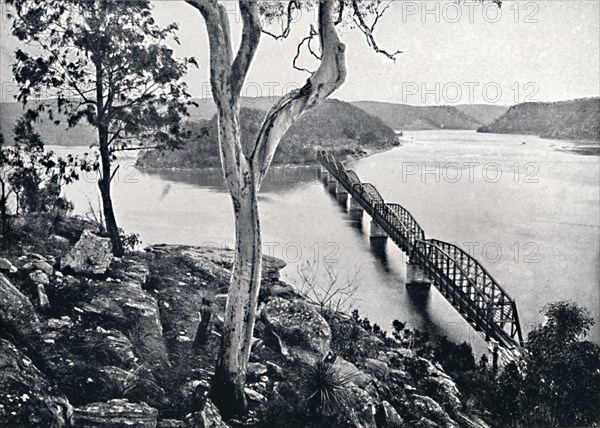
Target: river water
524	206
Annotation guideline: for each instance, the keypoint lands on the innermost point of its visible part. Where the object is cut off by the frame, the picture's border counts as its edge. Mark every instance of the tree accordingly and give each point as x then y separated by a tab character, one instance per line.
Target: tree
245	167
104	62
557	381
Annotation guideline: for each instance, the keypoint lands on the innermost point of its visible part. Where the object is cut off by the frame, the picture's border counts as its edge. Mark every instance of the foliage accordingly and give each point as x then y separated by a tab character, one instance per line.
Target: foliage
316	395
105	63
557	380
577	119
338	127
331	296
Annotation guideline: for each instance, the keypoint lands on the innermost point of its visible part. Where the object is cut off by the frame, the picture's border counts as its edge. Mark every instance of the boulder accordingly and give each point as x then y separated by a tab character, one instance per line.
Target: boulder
39	277
91	255
28	399
300	329
430	409
118	413
17	315
209	417
256	370
388	417
378	368
7	266
127	305
171	423
43	266
349	371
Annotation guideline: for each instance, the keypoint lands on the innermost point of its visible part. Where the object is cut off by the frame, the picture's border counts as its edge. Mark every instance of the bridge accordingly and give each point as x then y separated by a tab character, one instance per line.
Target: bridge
458	276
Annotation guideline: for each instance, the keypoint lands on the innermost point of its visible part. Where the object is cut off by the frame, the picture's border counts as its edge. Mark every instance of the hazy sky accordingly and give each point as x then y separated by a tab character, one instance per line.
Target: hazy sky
453	53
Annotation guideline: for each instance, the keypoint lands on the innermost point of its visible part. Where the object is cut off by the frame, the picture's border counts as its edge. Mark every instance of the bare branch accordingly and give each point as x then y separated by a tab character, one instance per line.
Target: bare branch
368	30
293	4
330	75
251	33
308	39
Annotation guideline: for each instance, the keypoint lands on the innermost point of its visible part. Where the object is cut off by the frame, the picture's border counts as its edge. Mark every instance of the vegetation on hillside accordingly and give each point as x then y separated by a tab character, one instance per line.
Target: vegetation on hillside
335	126
576	119
406	117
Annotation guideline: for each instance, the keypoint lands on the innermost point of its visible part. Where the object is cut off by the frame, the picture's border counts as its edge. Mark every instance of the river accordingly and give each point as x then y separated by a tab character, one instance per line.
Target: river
527	210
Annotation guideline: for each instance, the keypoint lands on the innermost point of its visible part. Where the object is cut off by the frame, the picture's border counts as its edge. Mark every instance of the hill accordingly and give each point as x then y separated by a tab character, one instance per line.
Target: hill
80	135
576	119
336	126
482	113
403	117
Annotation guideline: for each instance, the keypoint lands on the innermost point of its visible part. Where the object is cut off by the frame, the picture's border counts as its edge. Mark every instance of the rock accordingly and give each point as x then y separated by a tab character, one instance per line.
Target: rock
7	266
17	315
255	396
351	372
470	421
256	369
171	423
431	409
118	413
115	345
127	305
378	368
44	267
91	255
42	297
28	399
59	241
209	417
446	391
300	329
39	277
388	417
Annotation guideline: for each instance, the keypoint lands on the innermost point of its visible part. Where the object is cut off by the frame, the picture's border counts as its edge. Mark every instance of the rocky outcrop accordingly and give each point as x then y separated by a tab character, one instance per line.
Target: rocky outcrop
91	255
388	417
302	333
28	398
128	306
209	417
17	315
115	414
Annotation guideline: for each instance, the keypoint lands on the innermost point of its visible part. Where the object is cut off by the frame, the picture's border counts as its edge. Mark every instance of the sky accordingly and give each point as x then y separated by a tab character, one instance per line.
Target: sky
453	53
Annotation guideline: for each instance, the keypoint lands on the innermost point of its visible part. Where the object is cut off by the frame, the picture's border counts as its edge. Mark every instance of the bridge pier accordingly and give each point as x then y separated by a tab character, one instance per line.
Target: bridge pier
356	211
324	175
332	185
342	196
415	277
377	233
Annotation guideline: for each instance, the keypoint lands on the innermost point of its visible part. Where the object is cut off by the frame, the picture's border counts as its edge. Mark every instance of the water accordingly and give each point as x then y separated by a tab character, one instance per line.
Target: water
527	211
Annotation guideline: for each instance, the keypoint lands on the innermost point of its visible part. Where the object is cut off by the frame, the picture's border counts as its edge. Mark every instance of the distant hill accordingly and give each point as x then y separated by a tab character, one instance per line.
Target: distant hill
482	113
576	119
403	117
336	126
80	135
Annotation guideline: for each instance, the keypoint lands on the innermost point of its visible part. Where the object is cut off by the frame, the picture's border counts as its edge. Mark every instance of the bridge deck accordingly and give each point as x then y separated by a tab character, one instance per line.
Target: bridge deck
459	277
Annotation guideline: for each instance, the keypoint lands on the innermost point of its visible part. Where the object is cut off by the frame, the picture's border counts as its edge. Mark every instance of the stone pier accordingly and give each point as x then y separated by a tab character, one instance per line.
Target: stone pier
342	196
324	175
355	211
377	233
332	185
415	276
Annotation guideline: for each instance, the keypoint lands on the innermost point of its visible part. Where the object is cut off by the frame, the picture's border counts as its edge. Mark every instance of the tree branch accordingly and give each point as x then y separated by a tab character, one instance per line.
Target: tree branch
368	30
251	33
330	75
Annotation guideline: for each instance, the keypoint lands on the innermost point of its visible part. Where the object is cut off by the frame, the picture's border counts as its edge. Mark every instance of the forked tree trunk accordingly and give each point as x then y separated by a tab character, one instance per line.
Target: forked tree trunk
230	374
244	172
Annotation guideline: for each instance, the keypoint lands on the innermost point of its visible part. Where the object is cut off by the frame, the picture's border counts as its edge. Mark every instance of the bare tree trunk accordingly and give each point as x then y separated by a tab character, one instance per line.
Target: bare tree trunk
240	311
244	173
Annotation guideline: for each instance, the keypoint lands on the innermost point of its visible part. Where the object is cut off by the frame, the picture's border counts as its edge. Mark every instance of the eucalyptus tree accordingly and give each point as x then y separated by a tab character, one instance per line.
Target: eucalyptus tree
245	167
105	62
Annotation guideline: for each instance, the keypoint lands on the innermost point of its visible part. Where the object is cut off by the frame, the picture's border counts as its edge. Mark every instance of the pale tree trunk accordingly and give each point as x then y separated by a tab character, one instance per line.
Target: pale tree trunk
244	173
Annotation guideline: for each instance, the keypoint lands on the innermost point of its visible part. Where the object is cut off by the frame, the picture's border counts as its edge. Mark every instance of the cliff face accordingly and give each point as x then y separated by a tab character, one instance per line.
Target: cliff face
118	344
577	119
